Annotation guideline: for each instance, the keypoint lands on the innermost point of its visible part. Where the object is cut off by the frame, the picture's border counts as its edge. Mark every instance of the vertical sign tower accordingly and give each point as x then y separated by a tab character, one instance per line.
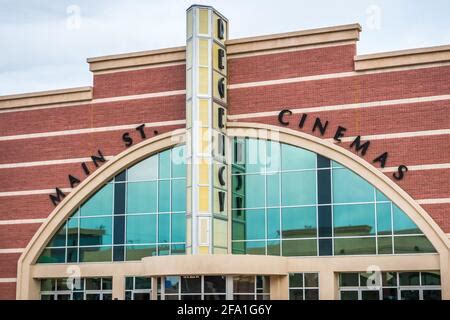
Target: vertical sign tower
206	113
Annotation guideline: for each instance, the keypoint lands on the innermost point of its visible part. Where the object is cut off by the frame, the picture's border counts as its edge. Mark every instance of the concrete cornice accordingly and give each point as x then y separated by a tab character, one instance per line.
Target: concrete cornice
401	58
46	97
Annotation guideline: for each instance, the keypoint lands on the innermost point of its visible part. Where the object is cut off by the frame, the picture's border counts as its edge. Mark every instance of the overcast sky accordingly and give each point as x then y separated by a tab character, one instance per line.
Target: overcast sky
44	44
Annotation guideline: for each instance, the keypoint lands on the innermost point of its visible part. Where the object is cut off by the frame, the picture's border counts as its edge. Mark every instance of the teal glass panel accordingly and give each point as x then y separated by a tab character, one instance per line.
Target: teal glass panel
380	196
95	254
273	247
298	188
72	231
255	247
299	222
95	231
402	223
101	203
273	190
349	187
163	228
141	197
384	219
179	248
384	245
164	196
254	191
146	170
178	227
238	247
273	162
238	226
354	220
59	239
178	162
295	158
137	252
255	224
354	246
54	255
141	229
255	156
412	244
179	195
273	223
293	248
335	164
164	164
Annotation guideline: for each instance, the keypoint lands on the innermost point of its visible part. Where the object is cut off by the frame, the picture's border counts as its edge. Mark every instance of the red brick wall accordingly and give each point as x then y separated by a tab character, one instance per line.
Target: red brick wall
419	116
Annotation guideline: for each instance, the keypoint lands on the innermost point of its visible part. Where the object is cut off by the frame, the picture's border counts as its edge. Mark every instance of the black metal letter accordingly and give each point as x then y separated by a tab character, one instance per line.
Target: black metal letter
381	159
221	87
339	133
221	179
221	200
127	139
402	169
318	124
58	197
220	29
302	120
221	56
85	168
141	130
99	158
357	143
221	113
73	181
281	116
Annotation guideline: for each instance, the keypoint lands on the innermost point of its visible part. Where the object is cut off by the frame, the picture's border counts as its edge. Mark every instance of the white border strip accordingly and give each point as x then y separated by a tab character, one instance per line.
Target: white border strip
342	107
31	192
8	280
89	130
398	135
21	221
12	250
433	201
47	162
420	167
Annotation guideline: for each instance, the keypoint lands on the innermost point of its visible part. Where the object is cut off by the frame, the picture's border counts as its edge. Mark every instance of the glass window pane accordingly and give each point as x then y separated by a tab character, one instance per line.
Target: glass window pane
409	278
402	223
273	248
295	294
384	245
48	285
273	224
255	247
370	295
143	283
178	162
141	197
95	254
354	220
178	227
273	190
431	278
349	295
59	239
191	284
294	158
296	280
389	279
141	229
311	294
255	155
311	280
384	222
273	162
179	195
354	246
100	203
95	231
349	187
145	170
254	191
129	283
255	224
390	294
299	222
412	244
171	284
380	196
164	164
348	279
72	232
164	196
244	284
409	295
432	295
215	284
298	188
138	252
141	296
299	248
163	228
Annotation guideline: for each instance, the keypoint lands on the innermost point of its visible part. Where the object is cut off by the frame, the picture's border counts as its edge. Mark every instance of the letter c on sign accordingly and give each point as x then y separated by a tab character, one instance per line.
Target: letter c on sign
221	179
221	87
281	116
